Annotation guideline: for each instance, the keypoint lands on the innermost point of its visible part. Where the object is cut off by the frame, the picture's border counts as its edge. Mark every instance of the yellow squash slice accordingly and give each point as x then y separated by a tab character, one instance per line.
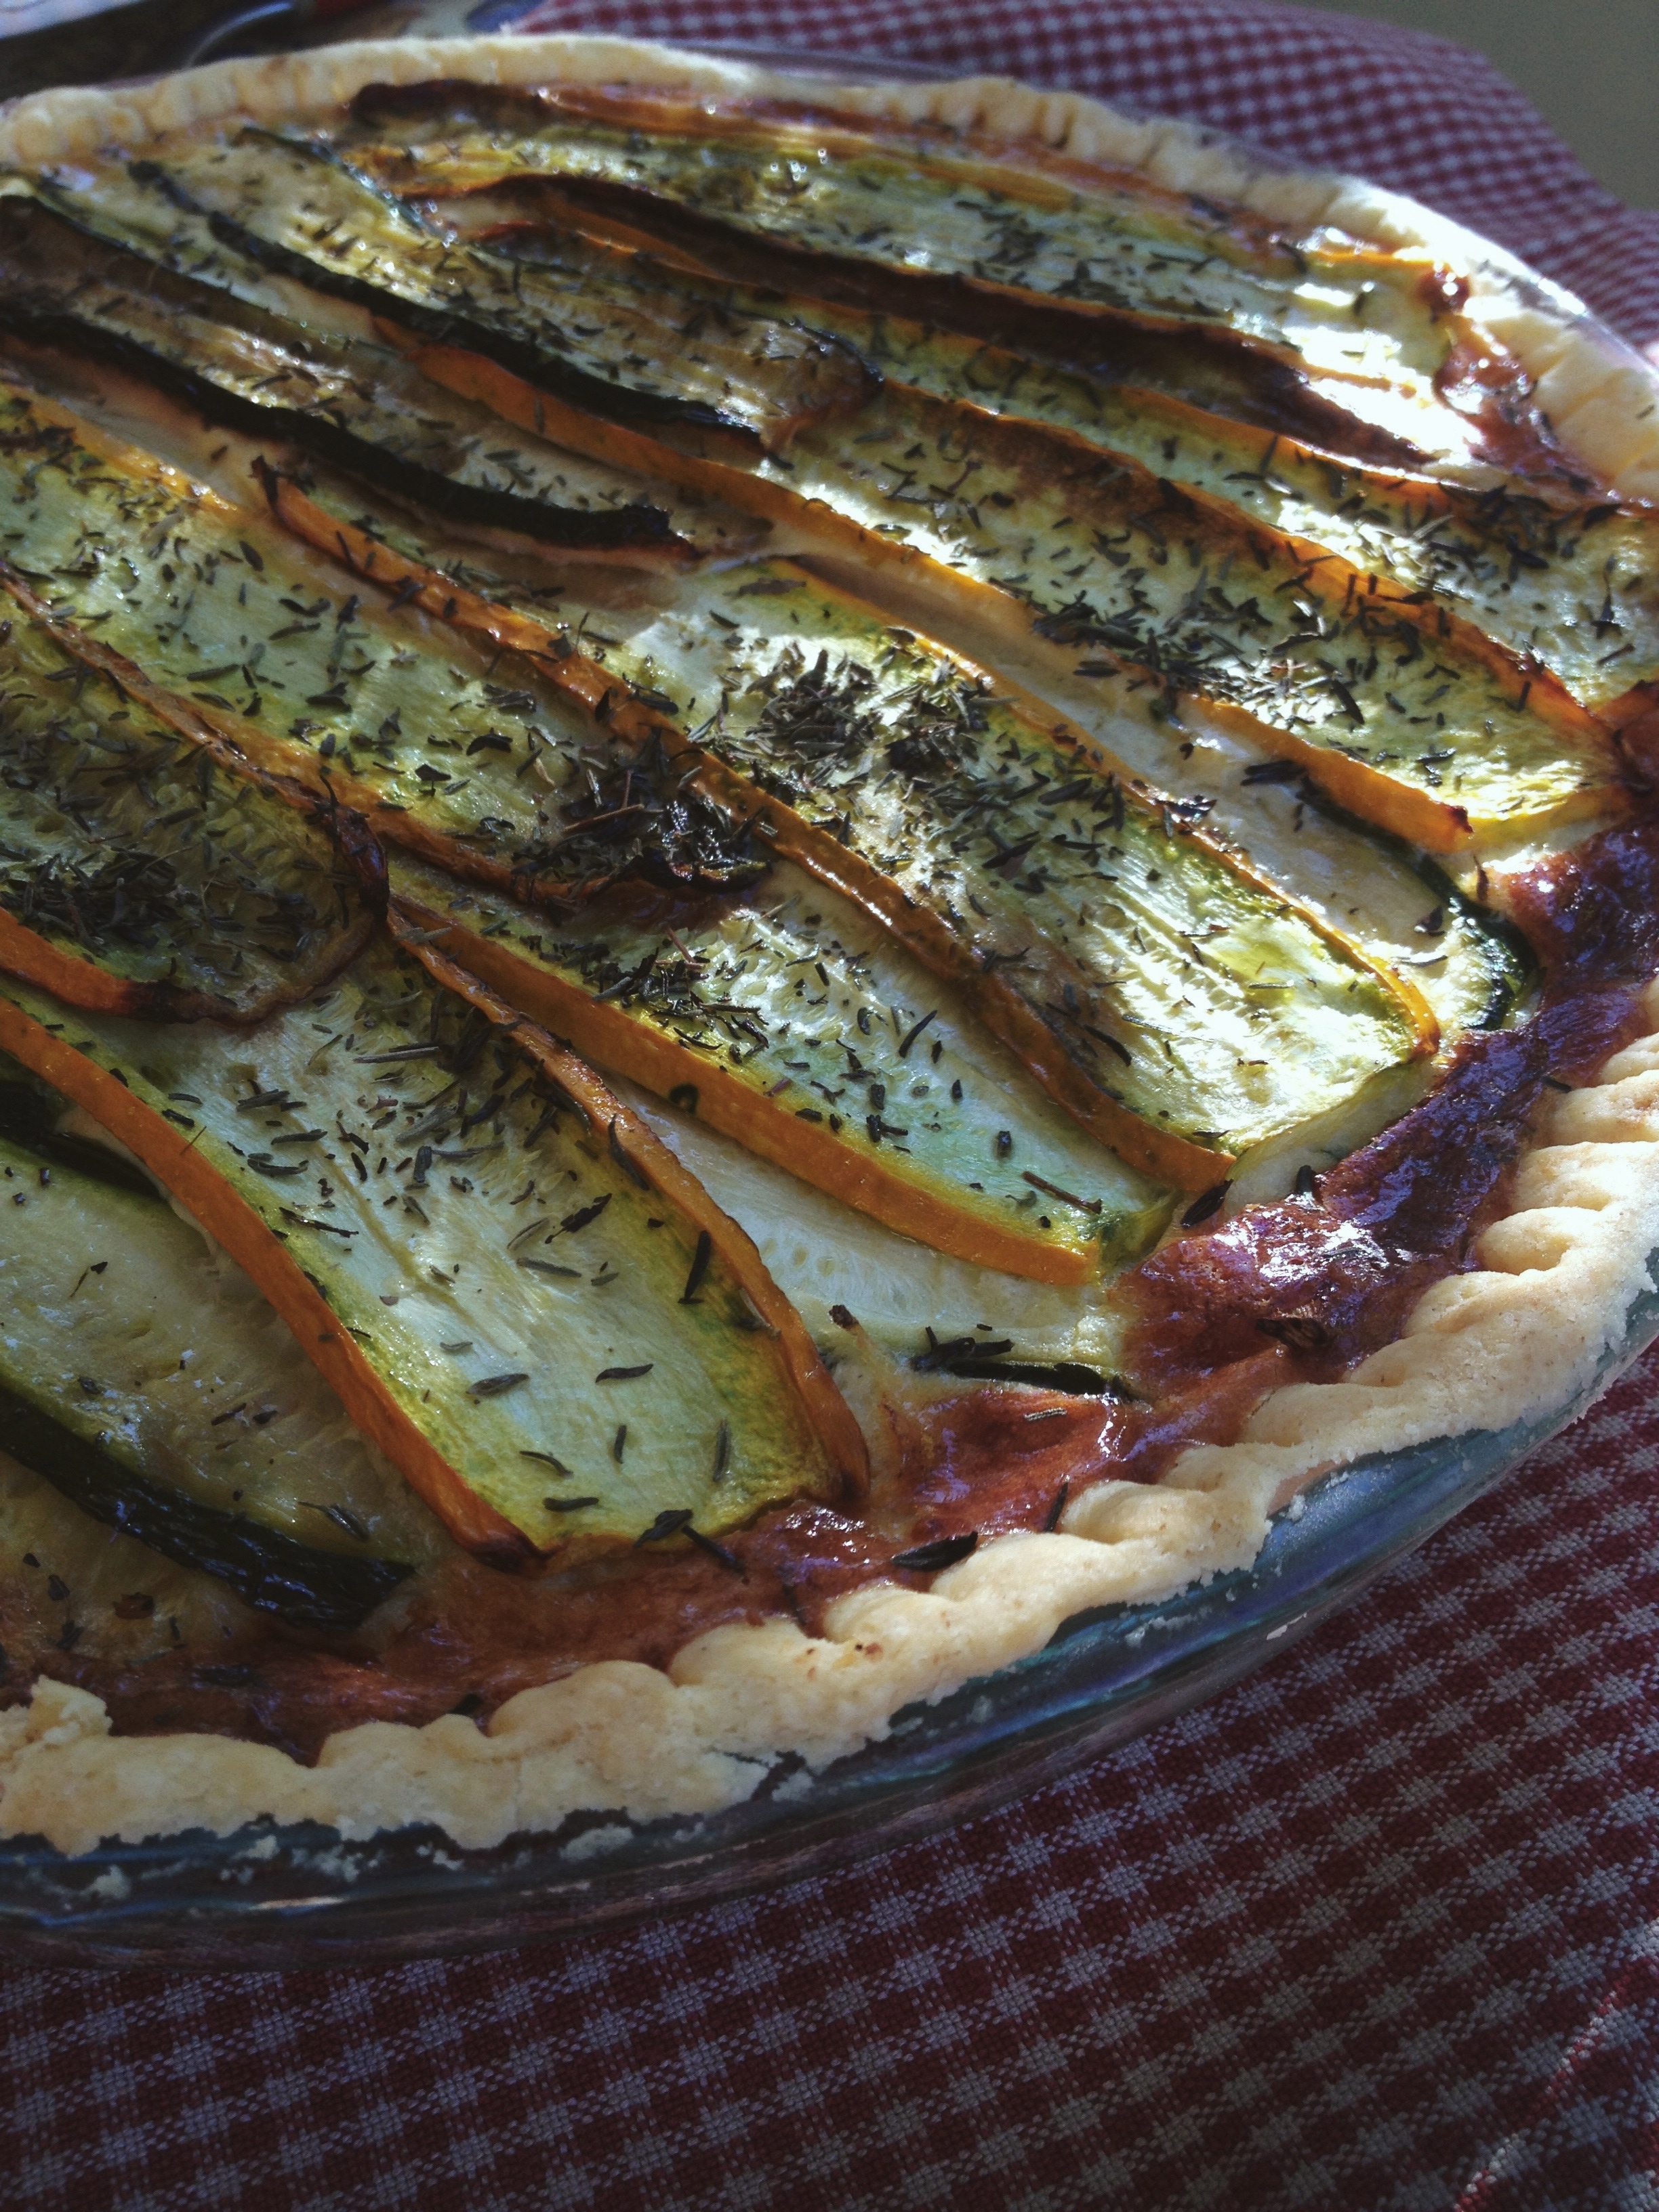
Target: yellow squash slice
786	1020
496	1266
141	874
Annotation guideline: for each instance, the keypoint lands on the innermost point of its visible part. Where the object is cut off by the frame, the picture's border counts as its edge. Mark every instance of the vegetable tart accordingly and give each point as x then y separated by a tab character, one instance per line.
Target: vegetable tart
790	876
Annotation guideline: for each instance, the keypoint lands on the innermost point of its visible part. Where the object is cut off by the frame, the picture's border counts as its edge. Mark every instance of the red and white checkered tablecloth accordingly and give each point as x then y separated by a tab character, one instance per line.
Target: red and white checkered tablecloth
1374	1929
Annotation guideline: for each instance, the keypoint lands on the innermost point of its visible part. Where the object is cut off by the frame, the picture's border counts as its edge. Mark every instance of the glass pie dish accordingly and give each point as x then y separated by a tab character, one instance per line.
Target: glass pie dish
266	1896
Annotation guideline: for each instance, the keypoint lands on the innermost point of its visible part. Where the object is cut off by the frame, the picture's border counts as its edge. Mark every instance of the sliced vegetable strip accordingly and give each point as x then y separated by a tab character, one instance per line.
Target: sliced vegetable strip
811	1038
244	638
908	195
1158	962
620	343
1031	528
141	875
804	674
203	1431
1570	587
1076	264
358	404
1568	581
492	1262
926	806
1408	718
512	835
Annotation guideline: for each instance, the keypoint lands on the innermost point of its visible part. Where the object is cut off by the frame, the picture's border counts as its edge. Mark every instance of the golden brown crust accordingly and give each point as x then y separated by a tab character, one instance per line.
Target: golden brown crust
1515	1339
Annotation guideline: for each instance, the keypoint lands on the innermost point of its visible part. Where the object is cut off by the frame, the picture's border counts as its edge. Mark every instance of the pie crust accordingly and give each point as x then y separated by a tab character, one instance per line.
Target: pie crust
1512	1341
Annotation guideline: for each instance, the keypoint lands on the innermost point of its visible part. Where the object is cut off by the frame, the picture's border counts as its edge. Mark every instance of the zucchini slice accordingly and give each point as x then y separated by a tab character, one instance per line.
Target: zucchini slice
495	1265
148	1381
1559	575
908	786
1565	579
496	823
357	404
1094	268
1404	715
736	636
1569	583
142	875
1092	565
618	340
787	1020
243	636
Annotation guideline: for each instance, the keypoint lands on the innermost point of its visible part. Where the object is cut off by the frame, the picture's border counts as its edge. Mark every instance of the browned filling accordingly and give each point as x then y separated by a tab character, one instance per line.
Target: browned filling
985	1461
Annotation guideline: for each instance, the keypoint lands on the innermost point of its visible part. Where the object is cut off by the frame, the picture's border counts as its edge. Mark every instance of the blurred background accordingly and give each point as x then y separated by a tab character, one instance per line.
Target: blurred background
1591	66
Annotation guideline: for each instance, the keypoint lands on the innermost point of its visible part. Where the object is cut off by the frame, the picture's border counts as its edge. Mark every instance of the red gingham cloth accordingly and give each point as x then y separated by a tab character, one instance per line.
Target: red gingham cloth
1374	1929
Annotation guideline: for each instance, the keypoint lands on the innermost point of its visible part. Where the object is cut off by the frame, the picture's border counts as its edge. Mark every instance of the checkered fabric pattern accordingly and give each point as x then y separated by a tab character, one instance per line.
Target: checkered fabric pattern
1374	1931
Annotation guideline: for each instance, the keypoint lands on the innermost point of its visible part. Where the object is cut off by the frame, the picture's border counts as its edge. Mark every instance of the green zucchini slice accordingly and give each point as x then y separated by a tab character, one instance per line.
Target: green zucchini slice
1404	715
353	402
1180	1089
238	631
146	1379
710	640
497	1268
905	197
141	874
1568	583
1093	564
751	639
1564	579
885	802
244	637
627	346
1095	268
1199	997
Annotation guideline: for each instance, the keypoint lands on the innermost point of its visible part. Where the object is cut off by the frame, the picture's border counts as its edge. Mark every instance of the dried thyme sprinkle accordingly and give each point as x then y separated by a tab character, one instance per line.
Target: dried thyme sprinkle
671	1522
699	1268
498	1386
1207	1203
727	1558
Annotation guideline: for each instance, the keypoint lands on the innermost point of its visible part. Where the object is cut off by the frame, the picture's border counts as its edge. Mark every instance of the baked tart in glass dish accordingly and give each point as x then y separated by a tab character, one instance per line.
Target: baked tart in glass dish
793	876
